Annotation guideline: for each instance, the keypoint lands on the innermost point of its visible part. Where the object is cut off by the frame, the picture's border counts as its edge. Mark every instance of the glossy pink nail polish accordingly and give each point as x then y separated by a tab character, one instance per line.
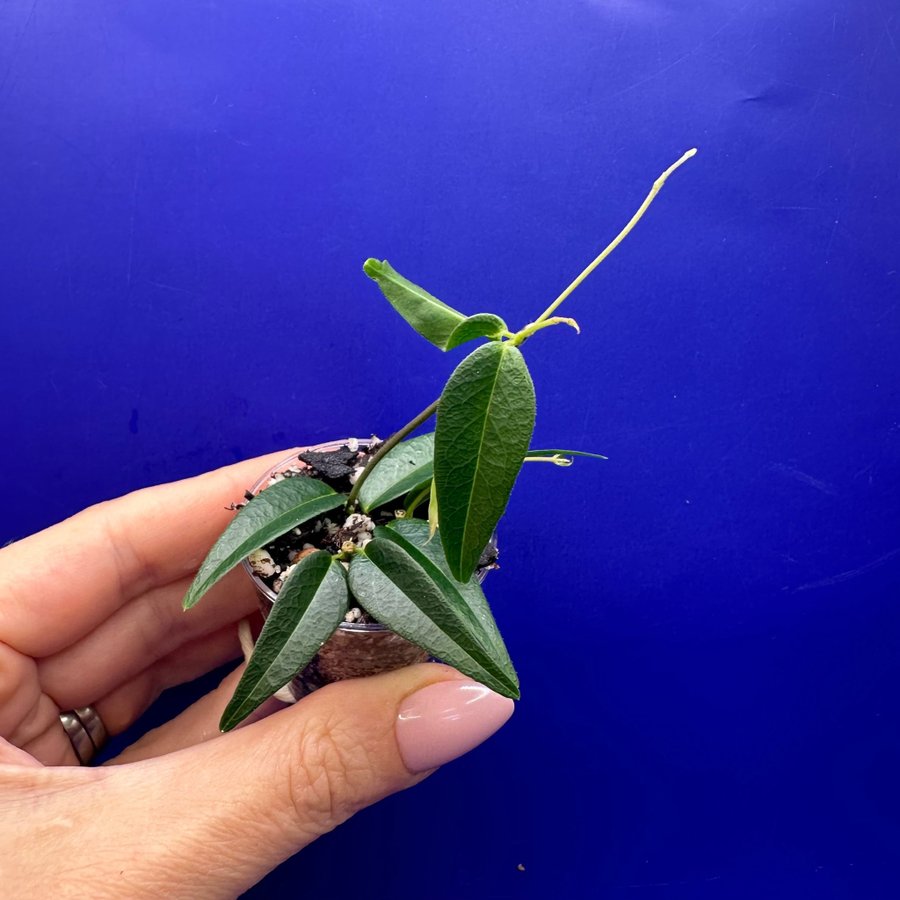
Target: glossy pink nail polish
445	720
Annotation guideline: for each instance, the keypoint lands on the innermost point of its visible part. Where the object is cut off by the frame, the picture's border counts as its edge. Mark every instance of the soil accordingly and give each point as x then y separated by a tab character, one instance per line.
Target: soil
346	654
338	469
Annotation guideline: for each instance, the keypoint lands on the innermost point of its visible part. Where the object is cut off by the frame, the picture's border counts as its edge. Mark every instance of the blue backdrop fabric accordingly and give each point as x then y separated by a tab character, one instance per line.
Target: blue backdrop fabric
706	626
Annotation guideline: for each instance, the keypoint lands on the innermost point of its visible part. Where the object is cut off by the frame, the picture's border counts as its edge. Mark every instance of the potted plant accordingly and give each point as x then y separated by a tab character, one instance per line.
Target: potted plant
369	554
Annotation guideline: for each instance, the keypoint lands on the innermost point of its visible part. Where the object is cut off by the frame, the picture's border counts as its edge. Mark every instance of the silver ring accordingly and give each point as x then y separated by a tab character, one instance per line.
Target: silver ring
85	730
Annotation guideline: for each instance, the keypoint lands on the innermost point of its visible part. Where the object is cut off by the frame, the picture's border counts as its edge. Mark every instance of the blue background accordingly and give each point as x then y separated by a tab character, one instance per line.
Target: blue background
707	626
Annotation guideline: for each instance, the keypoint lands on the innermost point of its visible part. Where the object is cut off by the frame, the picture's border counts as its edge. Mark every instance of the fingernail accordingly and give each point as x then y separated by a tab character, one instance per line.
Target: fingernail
445	720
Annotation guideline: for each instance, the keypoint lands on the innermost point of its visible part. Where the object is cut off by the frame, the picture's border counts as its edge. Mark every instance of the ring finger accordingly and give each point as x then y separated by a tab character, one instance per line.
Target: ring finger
149	629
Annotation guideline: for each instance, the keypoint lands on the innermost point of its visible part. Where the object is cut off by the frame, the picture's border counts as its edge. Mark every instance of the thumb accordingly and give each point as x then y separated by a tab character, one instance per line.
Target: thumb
262	792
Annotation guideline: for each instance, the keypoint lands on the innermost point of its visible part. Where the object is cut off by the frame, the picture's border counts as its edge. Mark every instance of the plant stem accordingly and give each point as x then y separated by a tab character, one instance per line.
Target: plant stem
388	445
418	500
532	327
657	187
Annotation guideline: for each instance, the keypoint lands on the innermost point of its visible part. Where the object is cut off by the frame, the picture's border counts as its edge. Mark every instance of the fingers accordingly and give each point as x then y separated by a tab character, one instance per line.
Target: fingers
136	636
19	689
41	735
13	756
28	718
197	724
77	573
121	707
260	793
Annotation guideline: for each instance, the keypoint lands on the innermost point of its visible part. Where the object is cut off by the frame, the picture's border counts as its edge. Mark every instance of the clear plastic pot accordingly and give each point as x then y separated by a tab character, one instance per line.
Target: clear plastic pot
354	650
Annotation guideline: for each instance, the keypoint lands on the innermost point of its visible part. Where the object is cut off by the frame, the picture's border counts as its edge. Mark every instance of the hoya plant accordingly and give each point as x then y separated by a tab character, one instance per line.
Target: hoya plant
436	499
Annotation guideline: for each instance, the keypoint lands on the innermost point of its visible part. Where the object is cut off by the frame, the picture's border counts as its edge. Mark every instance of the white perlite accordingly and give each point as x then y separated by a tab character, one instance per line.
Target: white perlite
331	528
361	526
262	563
359	520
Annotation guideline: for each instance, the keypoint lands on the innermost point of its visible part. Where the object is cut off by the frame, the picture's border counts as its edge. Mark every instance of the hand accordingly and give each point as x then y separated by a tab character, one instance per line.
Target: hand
90	614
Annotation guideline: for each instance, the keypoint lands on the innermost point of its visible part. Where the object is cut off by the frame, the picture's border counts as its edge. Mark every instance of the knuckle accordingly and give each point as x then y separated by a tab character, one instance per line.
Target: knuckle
332	773
19	689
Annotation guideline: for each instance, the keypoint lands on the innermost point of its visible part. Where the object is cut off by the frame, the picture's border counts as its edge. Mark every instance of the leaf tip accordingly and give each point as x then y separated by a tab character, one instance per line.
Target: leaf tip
229	720
512	680
508	686
372	268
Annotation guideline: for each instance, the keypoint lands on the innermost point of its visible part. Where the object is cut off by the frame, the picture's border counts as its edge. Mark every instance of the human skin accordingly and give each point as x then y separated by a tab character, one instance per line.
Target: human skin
90	614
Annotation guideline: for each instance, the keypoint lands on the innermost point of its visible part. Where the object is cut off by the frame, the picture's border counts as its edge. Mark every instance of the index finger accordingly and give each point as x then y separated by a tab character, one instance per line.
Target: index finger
59	584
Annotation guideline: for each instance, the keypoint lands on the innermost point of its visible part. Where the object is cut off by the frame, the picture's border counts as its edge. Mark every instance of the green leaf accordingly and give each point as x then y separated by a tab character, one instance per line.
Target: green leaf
484	423
433	319
444	326
414	536
273	512
416	497
565	453
310	606
480	325
400	586
403	468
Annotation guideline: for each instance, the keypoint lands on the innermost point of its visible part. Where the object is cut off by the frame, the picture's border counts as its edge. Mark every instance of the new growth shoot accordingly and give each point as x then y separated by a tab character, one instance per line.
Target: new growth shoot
544	318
